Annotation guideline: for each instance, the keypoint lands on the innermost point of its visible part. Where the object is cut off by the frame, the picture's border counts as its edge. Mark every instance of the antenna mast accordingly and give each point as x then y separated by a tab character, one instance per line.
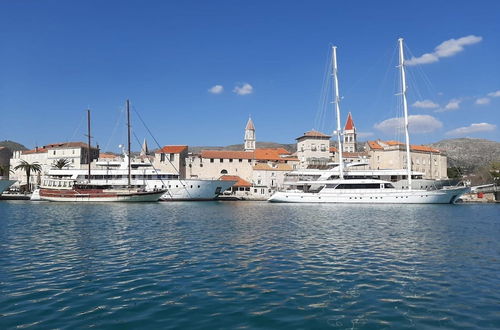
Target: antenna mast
405	108
89	158
337	109
128	143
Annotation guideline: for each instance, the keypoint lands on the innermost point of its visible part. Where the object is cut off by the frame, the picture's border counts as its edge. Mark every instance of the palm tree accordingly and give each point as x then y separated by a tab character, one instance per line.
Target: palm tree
61	163
28	168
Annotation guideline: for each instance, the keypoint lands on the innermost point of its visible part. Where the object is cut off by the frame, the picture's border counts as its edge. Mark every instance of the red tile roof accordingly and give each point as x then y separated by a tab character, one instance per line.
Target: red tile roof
239	181
313	133
270	154
333	149
172	149
57	145
349	123
34	151
377	146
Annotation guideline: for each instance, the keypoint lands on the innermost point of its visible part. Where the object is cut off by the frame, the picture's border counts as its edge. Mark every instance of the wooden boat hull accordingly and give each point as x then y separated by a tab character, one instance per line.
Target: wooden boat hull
96	195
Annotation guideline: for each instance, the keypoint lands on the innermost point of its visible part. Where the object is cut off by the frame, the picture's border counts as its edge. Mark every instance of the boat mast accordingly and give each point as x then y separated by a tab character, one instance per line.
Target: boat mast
128	143
89	158
405	108
336	101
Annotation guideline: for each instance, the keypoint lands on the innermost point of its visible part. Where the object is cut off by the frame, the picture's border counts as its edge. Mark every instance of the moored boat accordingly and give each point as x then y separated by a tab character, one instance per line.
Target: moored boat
341	186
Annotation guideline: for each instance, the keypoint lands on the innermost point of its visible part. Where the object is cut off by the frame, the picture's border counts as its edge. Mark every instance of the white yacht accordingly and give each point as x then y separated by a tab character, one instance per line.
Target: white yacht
142	176
340	184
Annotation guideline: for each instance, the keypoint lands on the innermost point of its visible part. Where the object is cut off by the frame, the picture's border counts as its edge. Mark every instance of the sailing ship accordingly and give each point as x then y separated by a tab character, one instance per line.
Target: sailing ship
62	189
341	185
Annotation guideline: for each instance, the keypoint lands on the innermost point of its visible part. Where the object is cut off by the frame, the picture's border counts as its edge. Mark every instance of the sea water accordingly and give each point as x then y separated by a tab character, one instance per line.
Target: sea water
229	265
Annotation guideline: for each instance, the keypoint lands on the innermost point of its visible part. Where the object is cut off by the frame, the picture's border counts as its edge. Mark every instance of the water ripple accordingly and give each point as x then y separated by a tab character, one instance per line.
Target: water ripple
248	265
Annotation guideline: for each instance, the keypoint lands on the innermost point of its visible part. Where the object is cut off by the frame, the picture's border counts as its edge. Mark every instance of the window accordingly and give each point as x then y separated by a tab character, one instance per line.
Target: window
172	157
230	160
221	160
223	172
240	160
211	160
162	157
313	147
323	148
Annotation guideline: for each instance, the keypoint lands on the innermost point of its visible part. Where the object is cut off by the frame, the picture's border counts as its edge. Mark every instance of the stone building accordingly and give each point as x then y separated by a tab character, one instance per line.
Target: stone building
392	155
172	159
313	148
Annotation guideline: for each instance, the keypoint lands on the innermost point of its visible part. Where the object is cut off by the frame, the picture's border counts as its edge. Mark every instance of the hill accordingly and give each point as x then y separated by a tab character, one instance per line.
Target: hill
13	146
469	154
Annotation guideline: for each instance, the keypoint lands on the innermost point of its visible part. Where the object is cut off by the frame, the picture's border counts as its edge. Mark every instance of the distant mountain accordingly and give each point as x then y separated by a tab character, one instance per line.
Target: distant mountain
13	146
469	154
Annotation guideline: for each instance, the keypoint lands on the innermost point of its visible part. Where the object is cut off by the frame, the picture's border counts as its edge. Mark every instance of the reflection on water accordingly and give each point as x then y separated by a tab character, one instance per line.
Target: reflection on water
246	264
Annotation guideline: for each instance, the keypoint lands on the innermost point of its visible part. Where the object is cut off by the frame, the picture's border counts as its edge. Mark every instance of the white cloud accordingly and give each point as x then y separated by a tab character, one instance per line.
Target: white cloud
483	101
494	94
445	49
217	89
453	104
416	124
473	128
364	135
425	104
244	89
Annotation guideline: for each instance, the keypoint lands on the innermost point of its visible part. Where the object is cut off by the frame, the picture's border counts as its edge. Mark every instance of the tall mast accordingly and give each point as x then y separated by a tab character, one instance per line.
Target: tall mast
89	158
336	101
405	108
128	142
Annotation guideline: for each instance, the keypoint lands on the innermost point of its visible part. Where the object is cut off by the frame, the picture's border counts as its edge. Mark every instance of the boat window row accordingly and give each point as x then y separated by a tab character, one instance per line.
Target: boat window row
137	177
360	186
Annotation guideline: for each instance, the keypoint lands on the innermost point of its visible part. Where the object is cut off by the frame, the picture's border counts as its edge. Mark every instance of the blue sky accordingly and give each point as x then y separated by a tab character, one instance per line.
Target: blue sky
59	57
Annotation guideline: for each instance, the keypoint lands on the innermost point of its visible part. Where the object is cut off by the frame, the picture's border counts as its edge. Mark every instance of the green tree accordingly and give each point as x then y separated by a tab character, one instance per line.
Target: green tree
28	168
61	163
5	170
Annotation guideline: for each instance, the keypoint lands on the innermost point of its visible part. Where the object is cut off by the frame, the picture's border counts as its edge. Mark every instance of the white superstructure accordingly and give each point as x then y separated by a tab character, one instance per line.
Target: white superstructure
339	185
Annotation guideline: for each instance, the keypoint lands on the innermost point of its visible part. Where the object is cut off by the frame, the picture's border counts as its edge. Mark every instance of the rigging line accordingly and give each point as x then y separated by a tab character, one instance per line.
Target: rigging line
366	73
78	127
152	165
383	85
319	118
156	141
117	122
425	78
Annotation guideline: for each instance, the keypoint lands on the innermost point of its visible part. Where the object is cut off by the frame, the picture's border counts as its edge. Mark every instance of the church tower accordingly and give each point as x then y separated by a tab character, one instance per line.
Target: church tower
250	136
349	135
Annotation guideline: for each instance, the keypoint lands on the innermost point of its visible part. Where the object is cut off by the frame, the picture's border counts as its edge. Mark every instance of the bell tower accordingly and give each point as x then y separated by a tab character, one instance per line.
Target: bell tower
250	136
349	135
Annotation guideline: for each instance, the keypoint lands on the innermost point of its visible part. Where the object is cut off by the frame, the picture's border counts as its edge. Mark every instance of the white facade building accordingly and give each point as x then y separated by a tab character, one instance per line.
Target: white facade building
75	152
